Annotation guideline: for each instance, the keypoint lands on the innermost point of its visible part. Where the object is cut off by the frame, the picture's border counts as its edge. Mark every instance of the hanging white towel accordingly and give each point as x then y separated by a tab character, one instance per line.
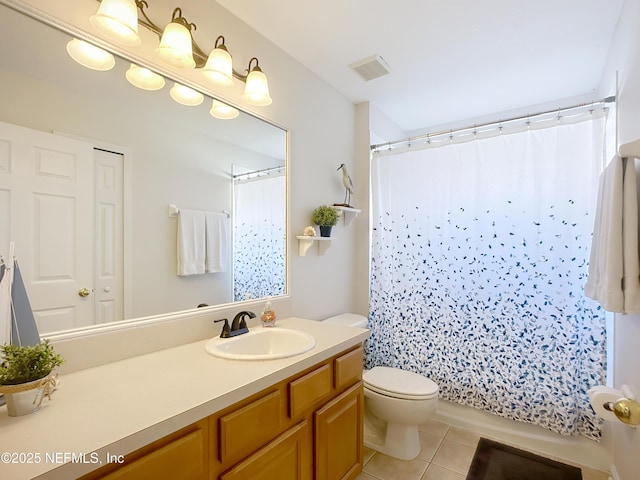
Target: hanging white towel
191	252
614	263
216	242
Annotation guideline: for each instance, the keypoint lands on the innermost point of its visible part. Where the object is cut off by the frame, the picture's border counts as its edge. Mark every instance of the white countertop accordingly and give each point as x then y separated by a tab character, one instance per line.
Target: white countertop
122	406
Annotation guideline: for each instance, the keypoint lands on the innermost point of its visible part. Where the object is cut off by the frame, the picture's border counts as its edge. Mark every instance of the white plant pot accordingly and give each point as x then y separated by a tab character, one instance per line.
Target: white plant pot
24	398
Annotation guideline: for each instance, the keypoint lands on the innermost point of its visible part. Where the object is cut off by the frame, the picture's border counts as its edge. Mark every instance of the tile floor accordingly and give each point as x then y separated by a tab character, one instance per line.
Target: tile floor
446	454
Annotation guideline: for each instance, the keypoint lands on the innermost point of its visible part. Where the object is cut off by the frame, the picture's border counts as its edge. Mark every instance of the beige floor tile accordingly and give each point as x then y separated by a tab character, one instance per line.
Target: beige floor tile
364	476
429	444
463	436
454	456
450	451
434	427
591	474
367	454
435	472
389	468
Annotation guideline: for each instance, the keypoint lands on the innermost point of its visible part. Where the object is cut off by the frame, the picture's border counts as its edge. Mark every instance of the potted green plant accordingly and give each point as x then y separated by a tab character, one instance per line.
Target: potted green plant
25	375
325	217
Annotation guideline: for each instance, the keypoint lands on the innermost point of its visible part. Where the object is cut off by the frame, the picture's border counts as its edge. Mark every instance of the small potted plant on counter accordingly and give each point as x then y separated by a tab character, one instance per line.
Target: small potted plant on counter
25	375
325	217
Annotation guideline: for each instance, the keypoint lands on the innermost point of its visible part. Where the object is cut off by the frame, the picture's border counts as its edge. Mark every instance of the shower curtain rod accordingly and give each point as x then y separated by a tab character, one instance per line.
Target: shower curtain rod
427	136
264	171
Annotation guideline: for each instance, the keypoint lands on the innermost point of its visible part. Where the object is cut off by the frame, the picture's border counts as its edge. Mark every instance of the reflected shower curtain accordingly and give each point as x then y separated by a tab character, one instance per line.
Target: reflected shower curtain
259	238
479	257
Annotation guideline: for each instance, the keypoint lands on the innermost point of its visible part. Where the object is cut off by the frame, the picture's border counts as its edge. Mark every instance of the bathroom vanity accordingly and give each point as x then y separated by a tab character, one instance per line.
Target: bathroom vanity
183	413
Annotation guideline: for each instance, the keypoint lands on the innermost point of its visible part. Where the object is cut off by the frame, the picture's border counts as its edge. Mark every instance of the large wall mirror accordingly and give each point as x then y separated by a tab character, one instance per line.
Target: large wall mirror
97	177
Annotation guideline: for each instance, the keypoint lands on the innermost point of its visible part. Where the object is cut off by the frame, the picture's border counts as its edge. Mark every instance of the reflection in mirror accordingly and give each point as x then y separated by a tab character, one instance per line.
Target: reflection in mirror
88	206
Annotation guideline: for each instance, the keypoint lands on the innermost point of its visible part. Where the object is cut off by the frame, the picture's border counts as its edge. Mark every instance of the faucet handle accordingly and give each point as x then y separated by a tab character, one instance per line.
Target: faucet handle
225	328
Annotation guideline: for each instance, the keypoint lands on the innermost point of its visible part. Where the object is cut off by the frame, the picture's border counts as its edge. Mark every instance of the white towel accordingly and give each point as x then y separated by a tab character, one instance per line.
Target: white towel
630	225
614	263
216	242
191	252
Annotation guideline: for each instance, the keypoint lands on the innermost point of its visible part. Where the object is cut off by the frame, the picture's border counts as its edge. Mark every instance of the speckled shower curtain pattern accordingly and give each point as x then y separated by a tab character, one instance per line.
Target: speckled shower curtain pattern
259	238
480	254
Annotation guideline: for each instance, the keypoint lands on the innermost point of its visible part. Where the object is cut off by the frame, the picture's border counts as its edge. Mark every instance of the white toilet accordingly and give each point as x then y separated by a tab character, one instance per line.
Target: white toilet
395	401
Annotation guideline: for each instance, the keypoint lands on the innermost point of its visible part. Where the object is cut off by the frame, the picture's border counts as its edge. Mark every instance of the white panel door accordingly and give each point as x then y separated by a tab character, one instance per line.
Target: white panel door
109	249
47	194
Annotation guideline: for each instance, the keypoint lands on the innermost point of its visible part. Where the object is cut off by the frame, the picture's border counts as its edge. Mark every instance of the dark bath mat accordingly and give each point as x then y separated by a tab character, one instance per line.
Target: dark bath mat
495	461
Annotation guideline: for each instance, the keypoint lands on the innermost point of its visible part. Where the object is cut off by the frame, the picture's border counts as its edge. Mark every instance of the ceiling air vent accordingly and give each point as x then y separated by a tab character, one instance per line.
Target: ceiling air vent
371	67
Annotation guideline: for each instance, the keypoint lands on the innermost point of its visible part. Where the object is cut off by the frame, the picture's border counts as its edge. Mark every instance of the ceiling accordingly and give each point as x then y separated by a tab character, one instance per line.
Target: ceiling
449	60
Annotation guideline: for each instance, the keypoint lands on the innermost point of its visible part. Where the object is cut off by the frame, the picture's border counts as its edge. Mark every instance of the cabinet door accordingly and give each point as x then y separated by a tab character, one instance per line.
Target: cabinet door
183	455
288	457
338	436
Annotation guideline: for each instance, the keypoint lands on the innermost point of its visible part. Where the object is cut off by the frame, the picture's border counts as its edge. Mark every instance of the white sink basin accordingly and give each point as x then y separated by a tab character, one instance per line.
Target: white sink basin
262	344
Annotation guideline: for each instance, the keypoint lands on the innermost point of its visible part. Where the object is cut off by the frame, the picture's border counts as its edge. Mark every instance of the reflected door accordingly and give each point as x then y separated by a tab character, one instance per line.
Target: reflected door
47	209
109	249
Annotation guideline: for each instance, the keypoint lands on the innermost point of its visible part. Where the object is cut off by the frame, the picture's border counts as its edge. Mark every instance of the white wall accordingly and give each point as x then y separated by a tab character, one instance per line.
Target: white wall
624	58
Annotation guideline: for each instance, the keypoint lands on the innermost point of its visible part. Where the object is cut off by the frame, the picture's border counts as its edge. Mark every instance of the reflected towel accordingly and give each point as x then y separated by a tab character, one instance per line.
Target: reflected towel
216	242
191	252
614	263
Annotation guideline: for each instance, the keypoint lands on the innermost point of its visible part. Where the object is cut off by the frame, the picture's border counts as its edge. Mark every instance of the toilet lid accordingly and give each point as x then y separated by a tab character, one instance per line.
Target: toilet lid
399	383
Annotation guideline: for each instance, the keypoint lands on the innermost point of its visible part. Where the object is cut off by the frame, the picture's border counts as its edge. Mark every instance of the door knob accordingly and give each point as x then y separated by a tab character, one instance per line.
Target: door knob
84	292
627	411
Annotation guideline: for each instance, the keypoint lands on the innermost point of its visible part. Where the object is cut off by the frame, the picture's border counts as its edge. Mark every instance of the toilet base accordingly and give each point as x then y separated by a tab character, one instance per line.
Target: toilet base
396	440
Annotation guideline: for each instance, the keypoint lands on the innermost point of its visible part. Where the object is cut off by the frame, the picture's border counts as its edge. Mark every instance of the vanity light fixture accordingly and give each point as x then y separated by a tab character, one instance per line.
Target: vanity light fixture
222	110
144	78
90	56
175	44
179	49
219	67
118	19
185	95
256	88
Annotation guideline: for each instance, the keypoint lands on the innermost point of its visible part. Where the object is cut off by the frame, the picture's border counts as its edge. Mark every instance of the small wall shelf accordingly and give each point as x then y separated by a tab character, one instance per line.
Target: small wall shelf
348	214
305	242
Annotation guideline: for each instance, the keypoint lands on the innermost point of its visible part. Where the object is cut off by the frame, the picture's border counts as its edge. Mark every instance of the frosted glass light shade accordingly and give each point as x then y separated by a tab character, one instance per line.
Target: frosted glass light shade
256	90
175	46
223	111
118	19
90	56
144	78
185	95
219	67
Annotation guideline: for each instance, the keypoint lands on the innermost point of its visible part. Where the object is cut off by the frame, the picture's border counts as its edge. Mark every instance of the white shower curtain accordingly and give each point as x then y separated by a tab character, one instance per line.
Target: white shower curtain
259	238
479	257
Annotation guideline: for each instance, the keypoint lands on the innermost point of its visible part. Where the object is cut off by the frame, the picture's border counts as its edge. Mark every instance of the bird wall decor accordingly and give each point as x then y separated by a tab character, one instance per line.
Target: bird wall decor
348	186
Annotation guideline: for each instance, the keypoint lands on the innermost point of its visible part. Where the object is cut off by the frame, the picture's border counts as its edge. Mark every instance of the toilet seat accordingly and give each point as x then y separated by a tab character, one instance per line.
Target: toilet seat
397	383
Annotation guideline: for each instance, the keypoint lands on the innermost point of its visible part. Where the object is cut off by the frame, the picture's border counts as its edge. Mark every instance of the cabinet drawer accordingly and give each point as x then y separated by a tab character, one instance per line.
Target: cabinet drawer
309	389
348	368
250	427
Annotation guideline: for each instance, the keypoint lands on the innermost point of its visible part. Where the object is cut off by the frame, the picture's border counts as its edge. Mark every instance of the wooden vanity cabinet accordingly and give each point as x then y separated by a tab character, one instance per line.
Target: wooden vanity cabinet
183	454
338	436
307	427
288	457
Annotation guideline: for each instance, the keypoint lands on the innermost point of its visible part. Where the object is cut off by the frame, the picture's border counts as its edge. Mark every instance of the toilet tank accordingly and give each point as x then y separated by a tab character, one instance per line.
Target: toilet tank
349	320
